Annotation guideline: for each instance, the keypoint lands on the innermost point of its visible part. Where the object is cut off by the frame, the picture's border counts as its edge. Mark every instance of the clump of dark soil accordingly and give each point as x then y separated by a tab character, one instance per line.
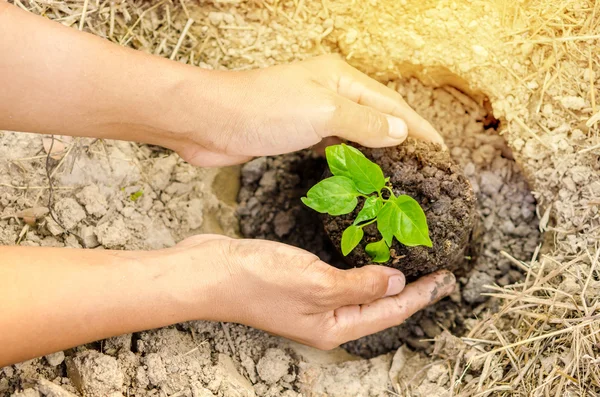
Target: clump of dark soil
270	208
426	173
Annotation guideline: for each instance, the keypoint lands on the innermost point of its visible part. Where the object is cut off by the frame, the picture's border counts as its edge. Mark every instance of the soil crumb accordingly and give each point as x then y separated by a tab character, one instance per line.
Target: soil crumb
273	186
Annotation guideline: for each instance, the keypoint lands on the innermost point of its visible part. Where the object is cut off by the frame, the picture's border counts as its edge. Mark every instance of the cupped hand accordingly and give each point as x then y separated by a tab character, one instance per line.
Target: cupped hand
290	292
290	107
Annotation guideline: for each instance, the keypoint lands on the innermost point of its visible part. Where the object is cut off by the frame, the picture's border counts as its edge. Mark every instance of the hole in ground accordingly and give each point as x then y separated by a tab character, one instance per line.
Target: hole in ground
270	208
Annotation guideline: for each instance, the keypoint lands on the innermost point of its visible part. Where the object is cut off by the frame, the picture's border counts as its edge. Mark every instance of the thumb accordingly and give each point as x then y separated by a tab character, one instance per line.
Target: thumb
366	284
356	321
365	125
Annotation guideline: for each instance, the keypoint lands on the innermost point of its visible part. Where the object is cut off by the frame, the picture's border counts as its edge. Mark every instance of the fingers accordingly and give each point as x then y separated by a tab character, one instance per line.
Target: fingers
365	125
353	322
366	91
365	284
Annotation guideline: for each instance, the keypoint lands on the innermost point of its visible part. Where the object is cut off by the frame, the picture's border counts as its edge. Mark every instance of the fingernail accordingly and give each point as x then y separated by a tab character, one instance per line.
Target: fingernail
397	128
436	136
395	285
390	271
442	144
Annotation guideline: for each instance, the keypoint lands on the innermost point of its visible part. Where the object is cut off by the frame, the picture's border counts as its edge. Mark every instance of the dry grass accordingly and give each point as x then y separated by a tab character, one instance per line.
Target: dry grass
544	339
160	27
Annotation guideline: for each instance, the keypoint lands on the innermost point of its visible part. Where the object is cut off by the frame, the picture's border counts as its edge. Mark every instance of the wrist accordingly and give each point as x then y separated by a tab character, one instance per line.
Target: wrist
145	284
187	280
185	105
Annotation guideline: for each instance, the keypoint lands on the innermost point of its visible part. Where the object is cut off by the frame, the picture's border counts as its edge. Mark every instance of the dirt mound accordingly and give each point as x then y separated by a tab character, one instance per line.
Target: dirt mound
427	174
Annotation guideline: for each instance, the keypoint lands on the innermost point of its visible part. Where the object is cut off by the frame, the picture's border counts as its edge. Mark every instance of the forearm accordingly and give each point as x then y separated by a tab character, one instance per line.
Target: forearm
53	299
57	80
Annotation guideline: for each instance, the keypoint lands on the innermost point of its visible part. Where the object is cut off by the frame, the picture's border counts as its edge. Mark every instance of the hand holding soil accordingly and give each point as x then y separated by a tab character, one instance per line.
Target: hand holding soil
291	293
211	118
287	108
271	286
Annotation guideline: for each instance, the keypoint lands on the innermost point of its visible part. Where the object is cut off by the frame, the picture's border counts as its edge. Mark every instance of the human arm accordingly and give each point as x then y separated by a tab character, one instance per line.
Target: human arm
57	80
53	299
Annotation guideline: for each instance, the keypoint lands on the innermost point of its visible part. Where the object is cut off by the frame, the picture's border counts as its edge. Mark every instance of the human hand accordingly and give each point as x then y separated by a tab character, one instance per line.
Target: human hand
286	108
288	291
267	285
211	118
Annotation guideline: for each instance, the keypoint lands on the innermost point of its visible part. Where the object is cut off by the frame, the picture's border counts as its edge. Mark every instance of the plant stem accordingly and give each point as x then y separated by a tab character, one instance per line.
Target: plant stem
391	191
368	223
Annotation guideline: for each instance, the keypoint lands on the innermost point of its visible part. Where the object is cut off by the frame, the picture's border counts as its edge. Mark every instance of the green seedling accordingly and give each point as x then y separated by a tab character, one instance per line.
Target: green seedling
135	196
356	176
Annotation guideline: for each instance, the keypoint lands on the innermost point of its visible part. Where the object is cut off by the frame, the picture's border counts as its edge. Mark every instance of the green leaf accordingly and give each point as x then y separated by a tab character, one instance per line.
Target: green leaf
404	219
386	221
336	159
135	196
413	229
350	238
369	210
334	196
348	161
379	251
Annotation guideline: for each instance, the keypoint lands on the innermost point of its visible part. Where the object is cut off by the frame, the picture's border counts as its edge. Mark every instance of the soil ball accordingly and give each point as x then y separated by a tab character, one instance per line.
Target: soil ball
427	174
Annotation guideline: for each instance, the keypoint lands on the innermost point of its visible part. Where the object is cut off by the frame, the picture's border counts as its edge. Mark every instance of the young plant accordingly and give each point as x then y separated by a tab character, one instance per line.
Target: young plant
356	176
